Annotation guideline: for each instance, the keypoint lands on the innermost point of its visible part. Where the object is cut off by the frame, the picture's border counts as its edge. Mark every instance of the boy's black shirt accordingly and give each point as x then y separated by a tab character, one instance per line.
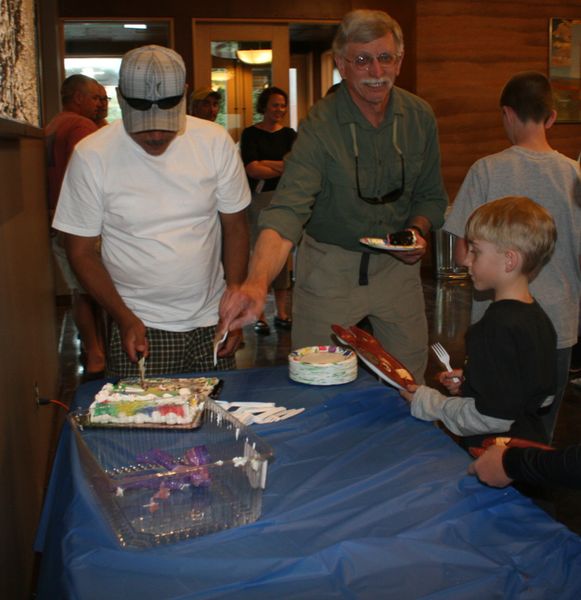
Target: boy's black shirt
511	366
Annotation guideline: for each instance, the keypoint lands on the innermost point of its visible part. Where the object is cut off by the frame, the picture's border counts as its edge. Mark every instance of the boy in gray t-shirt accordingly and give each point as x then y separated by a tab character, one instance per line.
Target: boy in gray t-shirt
532	168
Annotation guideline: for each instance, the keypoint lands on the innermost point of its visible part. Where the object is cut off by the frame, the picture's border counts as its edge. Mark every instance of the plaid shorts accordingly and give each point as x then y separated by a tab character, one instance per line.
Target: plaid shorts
170	352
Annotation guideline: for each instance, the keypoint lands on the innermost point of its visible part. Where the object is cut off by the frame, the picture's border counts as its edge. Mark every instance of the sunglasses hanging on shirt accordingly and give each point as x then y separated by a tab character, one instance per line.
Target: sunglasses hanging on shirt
389	196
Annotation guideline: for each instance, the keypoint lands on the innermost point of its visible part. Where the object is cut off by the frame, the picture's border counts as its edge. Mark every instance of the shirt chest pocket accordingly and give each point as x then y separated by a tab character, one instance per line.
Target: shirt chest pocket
341	176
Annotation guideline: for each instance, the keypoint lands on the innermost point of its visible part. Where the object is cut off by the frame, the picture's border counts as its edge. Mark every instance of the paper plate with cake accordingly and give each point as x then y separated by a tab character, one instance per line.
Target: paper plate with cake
371	353
400	241
154	403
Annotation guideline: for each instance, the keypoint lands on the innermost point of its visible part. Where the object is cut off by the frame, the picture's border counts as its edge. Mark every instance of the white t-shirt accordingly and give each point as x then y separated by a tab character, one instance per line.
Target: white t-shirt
553	181
158	217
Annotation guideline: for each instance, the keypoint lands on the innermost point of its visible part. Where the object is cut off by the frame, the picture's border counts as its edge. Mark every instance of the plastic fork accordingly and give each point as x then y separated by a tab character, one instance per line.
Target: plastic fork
218	340
444	358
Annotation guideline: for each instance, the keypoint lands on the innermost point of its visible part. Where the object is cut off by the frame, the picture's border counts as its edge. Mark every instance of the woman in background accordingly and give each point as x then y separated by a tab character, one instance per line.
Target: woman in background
263	147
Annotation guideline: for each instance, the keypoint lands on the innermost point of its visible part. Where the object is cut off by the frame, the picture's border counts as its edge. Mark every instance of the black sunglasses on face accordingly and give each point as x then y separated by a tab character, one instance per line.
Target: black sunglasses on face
143	104
390	196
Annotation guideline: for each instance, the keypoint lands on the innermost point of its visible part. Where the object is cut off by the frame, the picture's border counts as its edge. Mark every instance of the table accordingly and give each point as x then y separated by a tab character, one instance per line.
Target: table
362	501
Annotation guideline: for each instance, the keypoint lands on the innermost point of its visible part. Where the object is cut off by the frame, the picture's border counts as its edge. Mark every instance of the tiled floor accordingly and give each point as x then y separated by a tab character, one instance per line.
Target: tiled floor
448	310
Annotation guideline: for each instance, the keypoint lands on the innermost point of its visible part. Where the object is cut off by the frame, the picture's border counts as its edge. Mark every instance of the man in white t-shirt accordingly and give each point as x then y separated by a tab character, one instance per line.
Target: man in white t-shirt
167	194
530	167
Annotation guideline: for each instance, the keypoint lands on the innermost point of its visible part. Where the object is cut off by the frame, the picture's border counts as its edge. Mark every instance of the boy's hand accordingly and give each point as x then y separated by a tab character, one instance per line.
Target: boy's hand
408	393
446	378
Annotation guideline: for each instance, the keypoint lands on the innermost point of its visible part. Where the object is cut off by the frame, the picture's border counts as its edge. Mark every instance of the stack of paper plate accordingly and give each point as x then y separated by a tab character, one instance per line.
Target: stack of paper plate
323	365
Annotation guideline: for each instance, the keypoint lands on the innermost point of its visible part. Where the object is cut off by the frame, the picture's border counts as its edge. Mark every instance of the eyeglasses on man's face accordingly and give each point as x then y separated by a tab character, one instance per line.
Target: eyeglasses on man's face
363	61
143	104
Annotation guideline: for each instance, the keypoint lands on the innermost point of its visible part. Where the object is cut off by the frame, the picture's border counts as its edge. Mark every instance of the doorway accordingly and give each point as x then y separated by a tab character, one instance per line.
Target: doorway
298	63
240	60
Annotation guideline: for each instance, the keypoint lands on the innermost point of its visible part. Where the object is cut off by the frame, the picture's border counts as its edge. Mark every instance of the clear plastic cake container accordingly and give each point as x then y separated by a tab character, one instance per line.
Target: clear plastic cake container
160	486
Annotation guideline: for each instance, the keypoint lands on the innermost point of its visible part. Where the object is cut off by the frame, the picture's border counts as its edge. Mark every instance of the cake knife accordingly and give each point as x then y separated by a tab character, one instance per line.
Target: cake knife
141	367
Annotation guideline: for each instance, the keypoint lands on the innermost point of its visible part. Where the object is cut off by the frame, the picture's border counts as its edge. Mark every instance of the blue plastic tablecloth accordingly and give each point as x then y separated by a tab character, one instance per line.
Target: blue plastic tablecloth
362	501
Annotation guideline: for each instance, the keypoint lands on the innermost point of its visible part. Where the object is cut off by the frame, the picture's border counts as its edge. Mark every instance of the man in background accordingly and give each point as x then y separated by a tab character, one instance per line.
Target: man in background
81	99
205	103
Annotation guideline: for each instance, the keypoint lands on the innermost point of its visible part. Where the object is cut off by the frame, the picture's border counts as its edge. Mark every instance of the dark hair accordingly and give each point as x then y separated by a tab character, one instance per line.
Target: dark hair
266	93
530	95
74	83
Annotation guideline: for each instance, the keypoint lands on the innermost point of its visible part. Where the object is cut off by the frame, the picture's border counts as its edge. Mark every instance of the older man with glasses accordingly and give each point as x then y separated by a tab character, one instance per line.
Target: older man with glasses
167	194
366	163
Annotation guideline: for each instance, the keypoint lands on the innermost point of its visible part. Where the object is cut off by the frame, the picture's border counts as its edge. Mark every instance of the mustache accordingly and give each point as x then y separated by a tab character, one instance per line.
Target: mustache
376	80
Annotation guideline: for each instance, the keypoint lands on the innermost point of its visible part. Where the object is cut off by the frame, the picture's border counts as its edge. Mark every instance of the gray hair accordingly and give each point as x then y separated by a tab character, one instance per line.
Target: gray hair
362	26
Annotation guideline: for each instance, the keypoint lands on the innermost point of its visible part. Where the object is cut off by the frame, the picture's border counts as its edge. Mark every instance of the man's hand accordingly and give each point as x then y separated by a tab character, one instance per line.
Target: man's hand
488	467
413	256
240	306
229	347
133	338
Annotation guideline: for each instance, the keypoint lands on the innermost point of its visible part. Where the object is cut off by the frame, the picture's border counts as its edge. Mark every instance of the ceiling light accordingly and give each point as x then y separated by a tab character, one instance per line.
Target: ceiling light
255	57
135	26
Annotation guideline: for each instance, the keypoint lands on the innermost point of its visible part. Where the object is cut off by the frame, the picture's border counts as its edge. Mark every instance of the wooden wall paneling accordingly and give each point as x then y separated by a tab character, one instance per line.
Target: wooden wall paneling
250	10
28	353
219	9
51	50
466	51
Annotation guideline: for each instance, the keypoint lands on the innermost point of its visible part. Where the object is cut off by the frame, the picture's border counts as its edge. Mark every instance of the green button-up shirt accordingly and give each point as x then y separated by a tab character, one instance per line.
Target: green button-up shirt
318	190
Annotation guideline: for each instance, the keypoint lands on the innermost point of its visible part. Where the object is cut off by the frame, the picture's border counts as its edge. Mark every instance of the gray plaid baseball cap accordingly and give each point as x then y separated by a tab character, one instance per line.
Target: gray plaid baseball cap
152	73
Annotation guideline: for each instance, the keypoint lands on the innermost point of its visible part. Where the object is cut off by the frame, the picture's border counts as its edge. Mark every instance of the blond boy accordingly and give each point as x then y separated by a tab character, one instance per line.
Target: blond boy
509	377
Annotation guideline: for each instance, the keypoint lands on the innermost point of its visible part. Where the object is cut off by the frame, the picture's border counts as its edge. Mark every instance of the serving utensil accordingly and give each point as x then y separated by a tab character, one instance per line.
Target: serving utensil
444	358
219	339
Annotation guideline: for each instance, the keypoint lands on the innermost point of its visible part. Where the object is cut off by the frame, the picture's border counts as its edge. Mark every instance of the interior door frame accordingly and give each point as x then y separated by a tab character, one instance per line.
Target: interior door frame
205	30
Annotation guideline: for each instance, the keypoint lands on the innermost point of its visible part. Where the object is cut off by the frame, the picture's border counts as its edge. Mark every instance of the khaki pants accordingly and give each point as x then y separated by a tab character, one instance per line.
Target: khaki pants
327	291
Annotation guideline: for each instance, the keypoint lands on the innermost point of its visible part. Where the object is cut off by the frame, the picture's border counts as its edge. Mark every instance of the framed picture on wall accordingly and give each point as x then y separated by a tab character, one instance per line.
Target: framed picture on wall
565	67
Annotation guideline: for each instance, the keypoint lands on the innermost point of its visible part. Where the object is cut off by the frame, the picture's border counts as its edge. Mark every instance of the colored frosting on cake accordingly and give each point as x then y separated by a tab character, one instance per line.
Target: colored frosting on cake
161	401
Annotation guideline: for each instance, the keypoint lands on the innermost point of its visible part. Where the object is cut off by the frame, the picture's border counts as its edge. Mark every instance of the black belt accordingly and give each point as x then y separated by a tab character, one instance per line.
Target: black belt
363	269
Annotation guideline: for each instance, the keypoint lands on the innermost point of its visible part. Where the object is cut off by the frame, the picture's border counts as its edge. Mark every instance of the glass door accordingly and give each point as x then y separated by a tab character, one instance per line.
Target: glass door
239	61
